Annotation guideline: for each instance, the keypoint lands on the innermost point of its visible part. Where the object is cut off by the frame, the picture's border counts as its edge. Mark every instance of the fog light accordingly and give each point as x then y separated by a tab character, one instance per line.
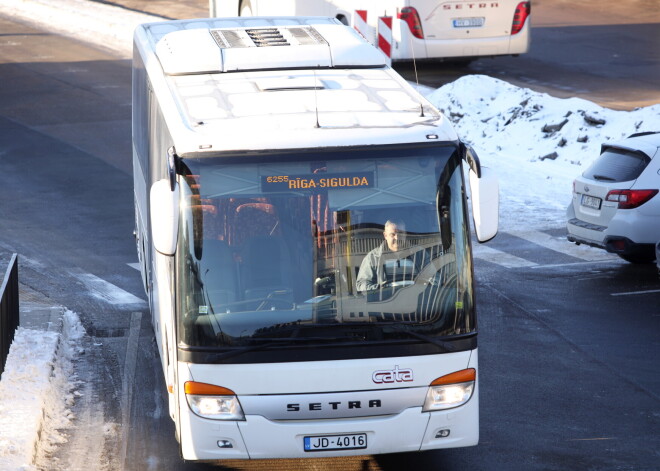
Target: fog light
442	433
225	444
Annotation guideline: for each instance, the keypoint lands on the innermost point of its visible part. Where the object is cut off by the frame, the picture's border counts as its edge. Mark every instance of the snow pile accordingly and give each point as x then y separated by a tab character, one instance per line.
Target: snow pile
537	144
37	392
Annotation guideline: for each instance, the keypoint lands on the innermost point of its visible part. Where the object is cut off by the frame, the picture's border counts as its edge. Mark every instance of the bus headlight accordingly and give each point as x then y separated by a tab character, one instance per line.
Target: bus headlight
213	402
451	390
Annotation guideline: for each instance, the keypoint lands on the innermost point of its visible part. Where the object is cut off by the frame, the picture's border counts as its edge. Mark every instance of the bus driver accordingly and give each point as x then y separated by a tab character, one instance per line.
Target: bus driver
371	275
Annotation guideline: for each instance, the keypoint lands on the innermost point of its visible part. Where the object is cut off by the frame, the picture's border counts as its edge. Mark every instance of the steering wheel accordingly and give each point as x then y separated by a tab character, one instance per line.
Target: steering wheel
273	301
398	284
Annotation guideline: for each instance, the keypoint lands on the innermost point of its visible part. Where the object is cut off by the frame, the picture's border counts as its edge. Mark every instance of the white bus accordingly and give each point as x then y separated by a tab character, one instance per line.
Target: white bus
268	156
460	30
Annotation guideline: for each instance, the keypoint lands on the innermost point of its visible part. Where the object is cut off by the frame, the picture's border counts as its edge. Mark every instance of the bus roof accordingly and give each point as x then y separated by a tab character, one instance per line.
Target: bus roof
233	84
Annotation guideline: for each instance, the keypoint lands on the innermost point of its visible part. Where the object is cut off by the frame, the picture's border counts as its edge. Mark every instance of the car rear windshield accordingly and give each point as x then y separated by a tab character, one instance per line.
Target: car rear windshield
617	165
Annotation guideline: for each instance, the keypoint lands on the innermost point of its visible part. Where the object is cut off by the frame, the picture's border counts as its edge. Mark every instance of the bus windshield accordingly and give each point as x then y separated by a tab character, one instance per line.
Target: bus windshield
328	248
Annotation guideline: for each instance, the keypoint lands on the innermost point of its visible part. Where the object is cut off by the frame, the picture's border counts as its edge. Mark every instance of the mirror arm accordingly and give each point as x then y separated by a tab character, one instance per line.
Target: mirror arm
172	161
470	156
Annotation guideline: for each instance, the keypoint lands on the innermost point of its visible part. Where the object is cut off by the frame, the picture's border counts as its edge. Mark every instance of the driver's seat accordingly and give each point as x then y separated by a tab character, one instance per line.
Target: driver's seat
266	270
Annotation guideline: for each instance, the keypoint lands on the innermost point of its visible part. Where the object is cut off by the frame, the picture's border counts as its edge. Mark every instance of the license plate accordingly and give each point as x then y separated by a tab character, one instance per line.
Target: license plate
351	441
468	22
591	201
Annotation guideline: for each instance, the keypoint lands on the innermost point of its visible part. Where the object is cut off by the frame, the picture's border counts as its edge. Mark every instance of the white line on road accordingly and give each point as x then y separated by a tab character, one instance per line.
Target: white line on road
633	293
572	264
106	291
498	257
127	382
562	245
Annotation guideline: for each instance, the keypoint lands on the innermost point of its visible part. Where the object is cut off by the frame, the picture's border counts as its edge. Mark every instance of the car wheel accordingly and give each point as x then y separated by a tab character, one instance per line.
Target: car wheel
637	258
460	63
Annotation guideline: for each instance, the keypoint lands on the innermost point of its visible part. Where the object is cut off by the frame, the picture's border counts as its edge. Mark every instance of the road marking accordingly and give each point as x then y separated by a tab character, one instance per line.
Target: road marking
106	291
572	264
633	293
589	439
562	245
128	381
498	257
135	266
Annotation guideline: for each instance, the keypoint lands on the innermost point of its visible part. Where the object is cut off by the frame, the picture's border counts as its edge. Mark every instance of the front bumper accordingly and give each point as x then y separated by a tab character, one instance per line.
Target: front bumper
260	438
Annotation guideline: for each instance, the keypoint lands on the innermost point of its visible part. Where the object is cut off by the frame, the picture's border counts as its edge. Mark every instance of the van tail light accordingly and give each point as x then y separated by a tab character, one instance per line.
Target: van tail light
411	17
629	199
520	16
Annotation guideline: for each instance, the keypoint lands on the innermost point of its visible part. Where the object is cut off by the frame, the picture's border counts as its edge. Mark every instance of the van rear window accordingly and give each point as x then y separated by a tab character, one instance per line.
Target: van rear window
617	165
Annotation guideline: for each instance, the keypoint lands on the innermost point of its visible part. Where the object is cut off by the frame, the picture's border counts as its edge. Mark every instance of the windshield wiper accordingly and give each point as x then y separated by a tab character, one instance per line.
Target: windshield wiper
446	346
353	328
603	178
270	342
370	328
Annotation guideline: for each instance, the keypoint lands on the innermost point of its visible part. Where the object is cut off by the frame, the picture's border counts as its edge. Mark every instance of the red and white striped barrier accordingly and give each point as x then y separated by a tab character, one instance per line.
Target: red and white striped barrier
385	36
360	24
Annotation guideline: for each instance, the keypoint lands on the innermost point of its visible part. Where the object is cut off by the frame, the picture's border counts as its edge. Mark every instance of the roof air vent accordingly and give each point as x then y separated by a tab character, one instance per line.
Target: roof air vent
266	37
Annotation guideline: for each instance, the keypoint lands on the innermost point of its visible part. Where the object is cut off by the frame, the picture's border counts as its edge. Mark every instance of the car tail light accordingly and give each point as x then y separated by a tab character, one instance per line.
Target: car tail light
520	16
629	199
617	245
411	17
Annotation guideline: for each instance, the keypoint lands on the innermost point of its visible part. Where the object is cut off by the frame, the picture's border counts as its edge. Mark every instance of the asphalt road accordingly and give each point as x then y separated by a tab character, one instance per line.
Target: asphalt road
568	346
605	51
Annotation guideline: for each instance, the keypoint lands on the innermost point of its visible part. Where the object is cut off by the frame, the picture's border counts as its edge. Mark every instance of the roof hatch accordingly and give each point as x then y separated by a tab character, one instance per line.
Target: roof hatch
267	37
264	44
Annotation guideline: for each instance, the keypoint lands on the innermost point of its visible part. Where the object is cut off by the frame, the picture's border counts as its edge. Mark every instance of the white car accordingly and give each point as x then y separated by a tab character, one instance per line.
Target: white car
615	204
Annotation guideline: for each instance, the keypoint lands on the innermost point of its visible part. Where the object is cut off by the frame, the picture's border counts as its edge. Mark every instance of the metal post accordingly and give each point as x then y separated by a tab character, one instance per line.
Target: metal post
9	311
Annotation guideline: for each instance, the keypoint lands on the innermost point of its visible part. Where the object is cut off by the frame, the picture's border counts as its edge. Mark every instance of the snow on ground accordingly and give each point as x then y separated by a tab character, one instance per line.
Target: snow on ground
108	27
37	391
537	145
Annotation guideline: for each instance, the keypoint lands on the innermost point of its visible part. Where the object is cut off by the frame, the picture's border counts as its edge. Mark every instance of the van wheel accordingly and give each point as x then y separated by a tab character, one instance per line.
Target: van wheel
461	63
246	8
638	258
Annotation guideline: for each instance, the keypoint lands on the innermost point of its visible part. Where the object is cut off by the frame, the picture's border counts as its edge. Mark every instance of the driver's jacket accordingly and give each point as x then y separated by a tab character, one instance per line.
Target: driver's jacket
372	273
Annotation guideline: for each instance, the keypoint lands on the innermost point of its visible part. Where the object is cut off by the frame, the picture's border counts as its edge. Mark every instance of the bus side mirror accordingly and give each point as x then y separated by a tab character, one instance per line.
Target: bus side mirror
485	203
164	208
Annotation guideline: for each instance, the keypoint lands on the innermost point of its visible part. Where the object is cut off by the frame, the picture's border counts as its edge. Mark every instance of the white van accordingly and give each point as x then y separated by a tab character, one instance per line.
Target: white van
272	157
460	30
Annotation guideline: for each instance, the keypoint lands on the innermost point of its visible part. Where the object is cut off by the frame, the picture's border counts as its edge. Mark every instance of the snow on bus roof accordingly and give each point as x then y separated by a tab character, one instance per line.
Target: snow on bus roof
332	92
238	44
274	77
274	107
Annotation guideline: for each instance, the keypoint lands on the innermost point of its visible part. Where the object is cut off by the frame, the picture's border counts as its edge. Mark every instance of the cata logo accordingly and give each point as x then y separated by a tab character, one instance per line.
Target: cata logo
396	375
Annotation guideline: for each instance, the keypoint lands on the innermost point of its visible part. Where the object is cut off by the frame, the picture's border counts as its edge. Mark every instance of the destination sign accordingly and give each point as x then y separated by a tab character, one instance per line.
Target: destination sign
319	181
